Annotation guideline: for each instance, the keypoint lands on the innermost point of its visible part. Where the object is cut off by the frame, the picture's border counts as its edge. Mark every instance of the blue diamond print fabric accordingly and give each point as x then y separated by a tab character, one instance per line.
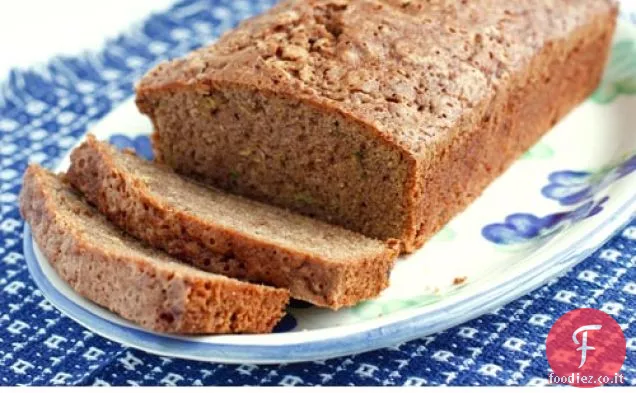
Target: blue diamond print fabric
42	114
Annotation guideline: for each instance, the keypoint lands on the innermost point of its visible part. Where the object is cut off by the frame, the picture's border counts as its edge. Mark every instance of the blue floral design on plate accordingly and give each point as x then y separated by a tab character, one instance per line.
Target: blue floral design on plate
521	228
572	187
140	144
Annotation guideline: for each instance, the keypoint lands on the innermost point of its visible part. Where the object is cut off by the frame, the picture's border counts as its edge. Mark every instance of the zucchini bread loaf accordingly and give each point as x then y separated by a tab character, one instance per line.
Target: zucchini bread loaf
386	117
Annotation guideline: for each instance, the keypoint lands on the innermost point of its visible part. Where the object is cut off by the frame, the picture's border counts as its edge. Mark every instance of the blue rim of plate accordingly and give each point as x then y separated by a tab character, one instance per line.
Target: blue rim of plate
390	334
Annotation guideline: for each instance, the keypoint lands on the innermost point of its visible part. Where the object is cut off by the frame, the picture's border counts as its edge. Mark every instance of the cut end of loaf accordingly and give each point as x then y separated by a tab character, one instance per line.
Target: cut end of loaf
283	151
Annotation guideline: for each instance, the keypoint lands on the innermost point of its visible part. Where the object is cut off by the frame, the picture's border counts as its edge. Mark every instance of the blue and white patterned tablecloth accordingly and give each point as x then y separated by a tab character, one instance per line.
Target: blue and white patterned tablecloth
45	110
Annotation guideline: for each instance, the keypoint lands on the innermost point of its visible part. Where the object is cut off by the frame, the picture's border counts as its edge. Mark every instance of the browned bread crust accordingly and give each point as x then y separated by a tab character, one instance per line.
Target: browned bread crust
140	284
226	234
387	117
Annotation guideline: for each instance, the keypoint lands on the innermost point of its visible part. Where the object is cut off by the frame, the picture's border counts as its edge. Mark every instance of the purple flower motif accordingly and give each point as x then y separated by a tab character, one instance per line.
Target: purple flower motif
572	187
568	187
627	167
140	144
524	227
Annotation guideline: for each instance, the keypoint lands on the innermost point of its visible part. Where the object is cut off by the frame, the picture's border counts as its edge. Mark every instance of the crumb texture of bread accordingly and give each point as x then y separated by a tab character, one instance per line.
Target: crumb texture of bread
226	234
386	117
138	283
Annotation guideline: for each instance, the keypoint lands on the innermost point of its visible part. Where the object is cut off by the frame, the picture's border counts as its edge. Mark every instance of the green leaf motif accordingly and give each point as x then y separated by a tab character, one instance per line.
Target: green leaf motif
620	75
540	151
446	234
376	308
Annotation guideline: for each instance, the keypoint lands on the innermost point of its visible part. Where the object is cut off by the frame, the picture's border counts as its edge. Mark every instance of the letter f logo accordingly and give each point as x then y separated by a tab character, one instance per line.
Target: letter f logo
584	347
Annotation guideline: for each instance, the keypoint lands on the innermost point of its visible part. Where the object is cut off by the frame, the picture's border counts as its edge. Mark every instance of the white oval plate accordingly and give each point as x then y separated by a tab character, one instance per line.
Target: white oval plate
551	209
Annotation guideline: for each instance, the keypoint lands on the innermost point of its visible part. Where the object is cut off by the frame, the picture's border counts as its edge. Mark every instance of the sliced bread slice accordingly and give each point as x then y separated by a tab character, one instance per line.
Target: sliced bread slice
223	233
140	284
